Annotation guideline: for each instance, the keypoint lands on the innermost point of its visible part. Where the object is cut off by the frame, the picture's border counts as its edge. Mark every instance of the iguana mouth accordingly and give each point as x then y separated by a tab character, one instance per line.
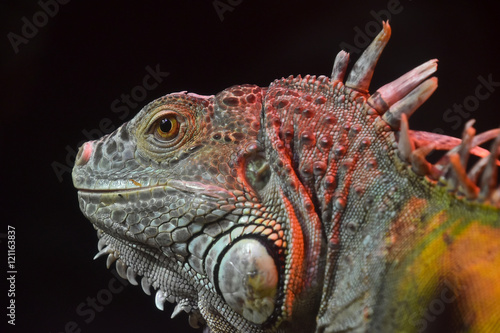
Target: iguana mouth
135	260
214	192
111	189
117	191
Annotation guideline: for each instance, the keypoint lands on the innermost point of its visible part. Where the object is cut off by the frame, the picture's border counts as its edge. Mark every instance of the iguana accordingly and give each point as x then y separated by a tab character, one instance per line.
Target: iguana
306	206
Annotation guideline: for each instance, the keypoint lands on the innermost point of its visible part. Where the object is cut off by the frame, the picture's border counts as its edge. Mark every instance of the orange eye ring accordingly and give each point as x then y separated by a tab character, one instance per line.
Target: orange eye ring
167	127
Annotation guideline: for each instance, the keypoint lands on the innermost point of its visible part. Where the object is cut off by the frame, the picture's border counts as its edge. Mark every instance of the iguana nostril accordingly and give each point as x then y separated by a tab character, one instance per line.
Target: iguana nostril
84	154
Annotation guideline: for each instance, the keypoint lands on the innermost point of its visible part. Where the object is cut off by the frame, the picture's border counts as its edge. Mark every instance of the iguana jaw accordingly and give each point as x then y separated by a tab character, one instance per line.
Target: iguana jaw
157	270
136	254
135	257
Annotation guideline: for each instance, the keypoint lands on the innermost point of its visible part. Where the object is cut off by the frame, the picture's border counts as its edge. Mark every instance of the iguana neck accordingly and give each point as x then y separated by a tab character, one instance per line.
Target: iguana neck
379	218
338	177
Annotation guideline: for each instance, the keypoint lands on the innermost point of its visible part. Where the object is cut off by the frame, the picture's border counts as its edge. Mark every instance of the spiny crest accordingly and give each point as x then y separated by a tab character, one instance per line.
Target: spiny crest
396	101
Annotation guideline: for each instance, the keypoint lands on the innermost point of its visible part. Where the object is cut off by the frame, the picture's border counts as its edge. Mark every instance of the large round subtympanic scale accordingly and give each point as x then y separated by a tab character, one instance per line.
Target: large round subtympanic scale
248	280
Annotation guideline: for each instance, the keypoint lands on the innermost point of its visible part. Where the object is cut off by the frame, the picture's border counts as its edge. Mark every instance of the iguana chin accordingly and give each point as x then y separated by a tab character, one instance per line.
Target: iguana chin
306	206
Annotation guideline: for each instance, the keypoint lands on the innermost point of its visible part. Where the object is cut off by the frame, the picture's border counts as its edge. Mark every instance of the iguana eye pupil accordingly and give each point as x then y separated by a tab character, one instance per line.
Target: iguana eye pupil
167	127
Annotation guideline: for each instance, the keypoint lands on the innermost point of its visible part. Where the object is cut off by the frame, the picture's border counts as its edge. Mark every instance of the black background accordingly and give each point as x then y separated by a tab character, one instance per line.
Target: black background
65	78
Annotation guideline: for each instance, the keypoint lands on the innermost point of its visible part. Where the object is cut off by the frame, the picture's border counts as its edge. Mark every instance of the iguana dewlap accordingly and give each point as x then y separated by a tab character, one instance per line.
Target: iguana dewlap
306	206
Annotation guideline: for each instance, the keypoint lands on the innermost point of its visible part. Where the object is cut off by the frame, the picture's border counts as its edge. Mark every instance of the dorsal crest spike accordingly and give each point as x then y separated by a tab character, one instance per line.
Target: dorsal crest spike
410	103
405	143
460	177
394	91
340	66
361	75
490	173
455	164
418	160
465	147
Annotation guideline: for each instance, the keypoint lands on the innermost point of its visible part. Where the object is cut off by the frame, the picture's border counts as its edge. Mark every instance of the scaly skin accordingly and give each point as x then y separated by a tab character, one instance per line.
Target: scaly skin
307	206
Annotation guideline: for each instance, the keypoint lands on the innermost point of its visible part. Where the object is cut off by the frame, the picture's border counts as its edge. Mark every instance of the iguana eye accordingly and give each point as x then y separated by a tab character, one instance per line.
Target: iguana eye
165	130
166	127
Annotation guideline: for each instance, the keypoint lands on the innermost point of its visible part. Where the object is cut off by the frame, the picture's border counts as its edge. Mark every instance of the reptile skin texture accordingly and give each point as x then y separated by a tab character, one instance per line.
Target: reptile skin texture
305	206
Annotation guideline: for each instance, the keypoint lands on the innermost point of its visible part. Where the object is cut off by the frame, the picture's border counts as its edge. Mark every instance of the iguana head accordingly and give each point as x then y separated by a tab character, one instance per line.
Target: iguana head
172	196
234	205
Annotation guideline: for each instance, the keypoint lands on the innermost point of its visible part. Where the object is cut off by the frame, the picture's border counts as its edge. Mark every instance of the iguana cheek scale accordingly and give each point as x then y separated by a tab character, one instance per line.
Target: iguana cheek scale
305	206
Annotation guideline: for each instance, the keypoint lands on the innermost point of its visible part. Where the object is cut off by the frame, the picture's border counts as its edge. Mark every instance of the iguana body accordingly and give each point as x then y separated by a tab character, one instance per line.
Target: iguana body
305	206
